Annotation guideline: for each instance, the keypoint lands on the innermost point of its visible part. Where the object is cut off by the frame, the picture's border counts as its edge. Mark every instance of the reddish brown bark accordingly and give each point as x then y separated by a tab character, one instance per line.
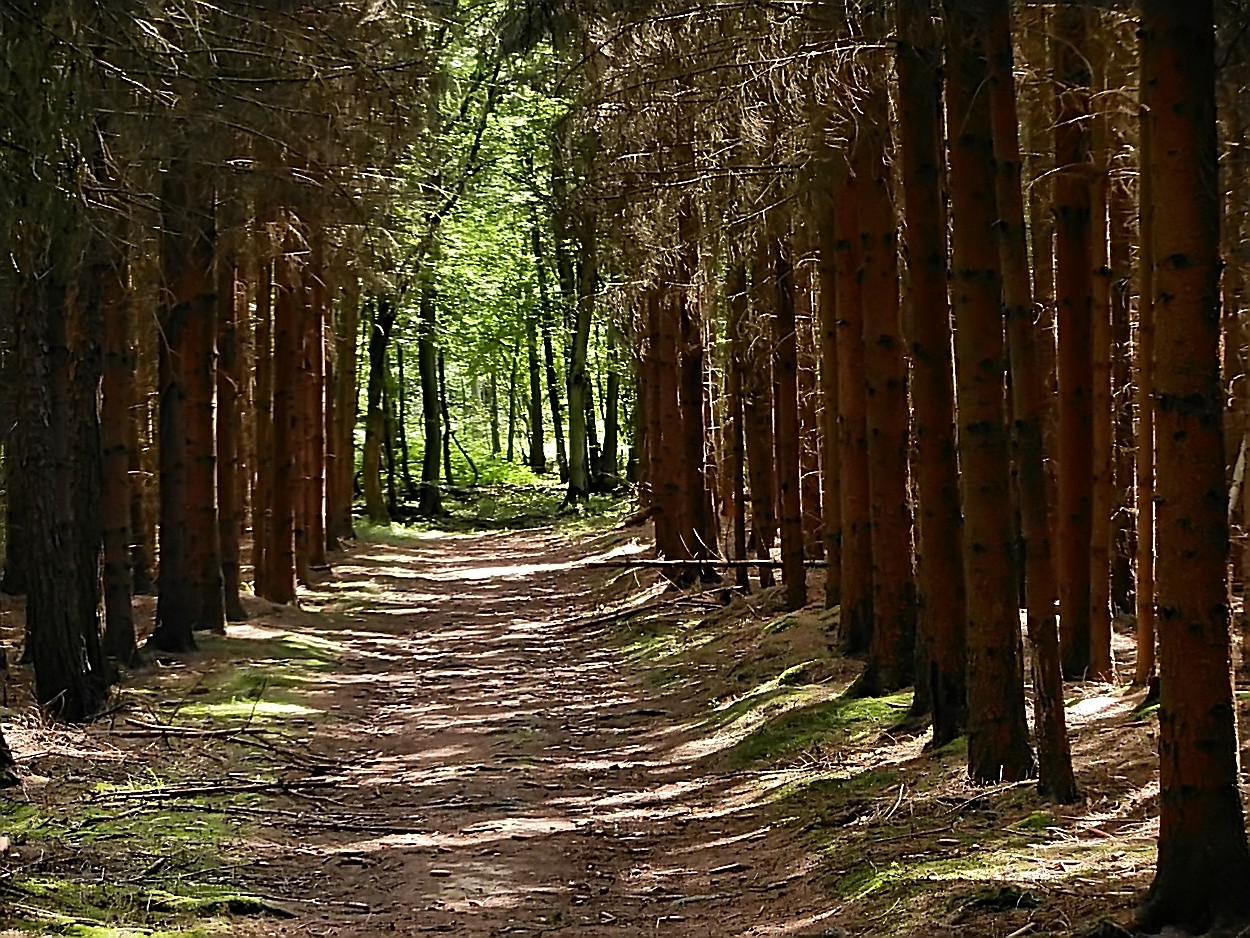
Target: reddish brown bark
830	466
757	406
786	440
852	428
941	608
891	658
1054	754
229	431
1203	873
279	545
998	747
1074	292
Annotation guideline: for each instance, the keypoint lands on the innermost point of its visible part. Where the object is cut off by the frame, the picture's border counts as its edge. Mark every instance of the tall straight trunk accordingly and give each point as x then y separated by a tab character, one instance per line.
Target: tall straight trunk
831	504
1074	292
1053	751
401	425
315	485
757	407
853	427
810	428
664	448
547	314
593	449
786	421
1203	873
384	313
186	317
998	736
142	579
1122	237
512	407
62	624
1102	483
492	402
229	431
116	399
1144	569
431	503
301	427
445	415
610	467
343	391
941	606
204	552
389	434
262	344
280	546
587	287
891	656
701	517
735	443
537	447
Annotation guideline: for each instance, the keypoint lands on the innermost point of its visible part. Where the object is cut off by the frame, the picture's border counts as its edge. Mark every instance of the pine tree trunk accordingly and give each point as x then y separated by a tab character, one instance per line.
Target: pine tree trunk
891	656
537	447
786	421
757	405
345	395
430	504
831	503
187	269
384	313
998	747
809	417
664	468
1144	669
735	445
116	400
280	547
1053	751
262	344
1203	872
315	484
229	427
941	606
857	587
1074	292
587	287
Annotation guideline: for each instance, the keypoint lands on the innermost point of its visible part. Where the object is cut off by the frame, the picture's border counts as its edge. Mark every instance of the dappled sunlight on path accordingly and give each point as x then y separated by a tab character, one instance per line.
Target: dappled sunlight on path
506	772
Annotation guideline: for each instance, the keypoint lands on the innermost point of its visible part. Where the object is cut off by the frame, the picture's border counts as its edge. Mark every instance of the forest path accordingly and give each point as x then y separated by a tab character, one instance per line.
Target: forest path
504	771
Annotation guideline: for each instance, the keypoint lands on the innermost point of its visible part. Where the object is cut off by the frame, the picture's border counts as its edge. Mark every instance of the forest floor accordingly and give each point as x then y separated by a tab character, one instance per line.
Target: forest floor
478	734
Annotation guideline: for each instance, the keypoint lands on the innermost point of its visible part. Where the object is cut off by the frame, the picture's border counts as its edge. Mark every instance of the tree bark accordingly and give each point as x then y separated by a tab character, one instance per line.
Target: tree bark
1203	872
941	606
1074	291
998	747
786	421
384	313
1053	751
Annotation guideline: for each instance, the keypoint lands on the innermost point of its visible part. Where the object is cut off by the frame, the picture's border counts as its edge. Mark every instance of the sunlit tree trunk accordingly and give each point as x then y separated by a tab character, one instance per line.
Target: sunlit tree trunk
430	503
998	746
578	378
1203	872
384	313
735	444
537	452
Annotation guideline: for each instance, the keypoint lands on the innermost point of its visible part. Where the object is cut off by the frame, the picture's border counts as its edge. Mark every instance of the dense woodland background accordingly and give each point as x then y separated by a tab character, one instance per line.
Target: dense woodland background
951	301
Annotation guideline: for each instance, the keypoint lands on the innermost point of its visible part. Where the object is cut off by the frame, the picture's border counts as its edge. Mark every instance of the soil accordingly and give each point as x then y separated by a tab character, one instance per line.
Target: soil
478	734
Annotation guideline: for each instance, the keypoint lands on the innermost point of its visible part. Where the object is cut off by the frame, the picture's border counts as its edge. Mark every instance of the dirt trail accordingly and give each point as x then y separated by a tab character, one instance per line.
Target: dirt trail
507	772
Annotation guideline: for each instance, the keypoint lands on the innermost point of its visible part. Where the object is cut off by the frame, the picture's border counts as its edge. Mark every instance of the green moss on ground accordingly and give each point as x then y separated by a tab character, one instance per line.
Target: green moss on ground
802	728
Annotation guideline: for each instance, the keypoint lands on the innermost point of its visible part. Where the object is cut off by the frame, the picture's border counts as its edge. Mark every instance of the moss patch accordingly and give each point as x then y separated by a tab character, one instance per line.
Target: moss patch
822	723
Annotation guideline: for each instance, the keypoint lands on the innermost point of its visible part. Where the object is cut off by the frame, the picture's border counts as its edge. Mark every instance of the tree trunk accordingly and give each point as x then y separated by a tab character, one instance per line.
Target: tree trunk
430	504
401	425
537	448
757	407
280	546
831	503
610	463
1053	751
1144	670
809	402
891	656
735	445
229	432
1074	290
1203	872
116	399
587	287
786	421
941	606
384	313
998	746
186	315
315	408
852	428
262	344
